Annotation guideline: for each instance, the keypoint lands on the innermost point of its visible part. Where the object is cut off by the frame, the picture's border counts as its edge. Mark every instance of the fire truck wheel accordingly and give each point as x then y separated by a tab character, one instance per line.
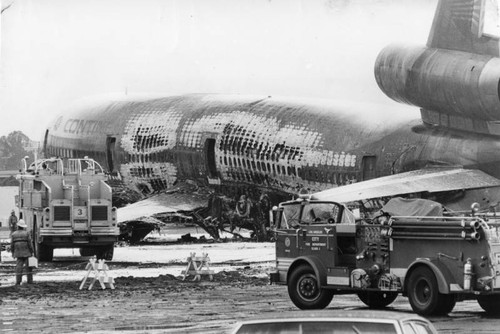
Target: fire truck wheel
106	253
86	252
491	304
44	253
304	289
377	299
423	292
447	304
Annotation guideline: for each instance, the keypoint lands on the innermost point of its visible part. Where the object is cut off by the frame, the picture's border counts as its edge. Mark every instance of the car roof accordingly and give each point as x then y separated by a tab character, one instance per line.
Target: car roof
338	315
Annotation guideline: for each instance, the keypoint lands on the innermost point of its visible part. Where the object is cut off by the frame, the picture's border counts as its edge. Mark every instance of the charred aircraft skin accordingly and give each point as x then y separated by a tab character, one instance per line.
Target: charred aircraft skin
231	141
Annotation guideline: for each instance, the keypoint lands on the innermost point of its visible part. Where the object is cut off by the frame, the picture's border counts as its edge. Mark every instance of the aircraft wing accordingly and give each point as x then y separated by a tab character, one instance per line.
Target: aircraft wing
423	180
162	203
137	220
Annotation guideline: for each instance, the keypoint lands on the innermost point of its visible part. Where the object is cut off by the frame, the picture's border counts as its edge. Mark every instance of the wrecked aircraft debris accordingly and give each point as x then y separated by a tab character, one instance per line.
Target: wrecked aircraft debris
188	204
277	146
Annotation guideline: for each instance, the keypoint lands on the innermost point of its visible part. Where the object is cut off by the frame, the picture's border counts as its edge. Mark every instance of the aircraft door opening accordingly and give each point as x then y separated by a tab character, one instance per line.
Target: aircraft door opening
210	157
368	167
45	138
110	152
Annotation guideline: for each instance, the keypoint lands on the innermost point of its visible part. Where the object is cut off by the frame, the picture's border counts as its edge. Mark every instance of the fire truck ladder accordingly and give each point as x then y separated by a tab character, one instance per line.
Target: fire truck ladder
87	187
74	195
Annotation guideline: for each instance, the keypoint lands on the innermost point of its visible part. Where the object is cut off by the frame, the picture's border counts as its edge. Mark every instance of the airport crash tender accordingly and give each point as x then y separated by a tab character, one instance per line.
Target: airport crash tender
66	203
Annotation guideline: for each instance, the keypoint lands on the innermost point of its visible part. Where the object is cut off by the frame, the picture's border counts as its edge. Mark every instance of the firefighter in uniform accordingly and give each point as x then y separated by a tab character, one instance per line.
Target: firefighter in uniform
12	222
21	248
242	214
243	208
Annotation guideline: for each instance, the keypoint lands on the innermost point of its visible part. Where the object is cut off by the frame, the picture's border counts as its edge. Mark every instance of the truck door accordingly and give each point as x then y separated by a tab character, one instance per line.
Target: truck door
319	235
289	231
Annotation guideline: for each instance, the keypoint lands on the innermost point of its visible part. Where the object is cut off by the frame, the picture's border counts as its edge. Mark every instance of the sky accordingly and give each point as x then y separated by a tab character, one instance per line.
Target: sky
56	51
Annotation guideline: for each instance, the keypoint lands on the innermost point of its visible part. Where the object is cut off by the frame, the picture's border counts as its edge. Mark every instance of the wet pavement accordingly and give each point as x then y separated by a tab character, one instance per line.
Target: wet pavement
152	297
169	304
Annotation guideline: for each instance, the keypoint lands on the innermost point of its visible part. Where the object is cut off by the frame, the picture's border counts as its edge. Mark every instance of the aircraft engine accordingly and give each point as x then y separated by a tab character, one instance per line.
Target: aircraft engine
454	85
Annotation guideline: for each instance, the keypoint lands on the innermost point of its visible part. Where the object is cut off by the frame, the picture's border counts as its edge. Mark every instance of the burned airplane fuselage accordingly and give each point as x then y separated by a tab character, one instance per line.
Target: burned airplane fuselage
236	141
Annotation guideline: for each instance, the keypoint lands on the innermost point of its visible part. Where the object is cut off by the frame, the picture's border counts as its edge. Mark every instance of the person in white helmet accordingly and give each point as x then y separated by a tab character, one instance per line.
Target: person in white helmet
21	248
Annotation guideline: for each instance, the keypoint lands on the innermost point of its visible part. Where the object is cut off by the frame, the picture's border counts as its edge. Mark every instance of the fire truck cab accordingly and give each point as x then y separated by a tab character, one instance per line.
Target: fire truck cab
66	203
323	249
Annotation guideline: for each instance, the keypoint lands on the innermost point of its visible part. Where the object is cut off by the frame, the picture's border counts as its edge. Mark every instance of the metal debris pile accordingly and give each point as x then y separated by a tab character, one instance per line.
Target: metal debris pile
213	212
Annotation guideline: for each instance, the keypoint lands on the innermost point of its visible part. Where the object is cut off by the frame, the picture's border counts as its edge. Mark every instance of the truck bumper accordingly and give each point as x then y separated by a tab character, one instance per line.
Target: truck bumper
49	232
64	238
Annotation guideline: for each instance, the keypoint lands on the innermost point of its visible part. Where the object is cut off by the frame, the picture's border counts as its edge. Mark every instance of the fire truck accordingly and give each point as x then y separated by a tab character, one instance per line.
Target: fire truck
435	259
67	204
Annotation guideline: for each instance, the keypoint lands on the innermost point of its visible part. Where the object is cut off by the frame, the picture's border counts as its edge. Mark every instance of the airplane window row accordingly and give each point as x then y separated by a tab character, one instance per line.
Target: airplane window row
163	156
258	165
141	171
317	174
239	145
149	141
232	164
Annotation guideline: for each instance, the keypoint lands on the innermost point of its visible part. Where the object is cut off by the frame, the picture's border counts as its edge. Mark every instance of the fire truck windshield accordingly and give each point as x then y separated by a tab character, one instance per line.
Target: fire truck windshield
290	216
321	213
310	213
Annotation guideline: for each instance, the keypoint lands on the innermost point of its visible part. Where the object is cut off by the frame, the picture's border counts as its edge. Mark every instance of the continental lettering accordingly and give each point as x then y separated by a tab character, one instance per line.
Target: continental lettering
82	126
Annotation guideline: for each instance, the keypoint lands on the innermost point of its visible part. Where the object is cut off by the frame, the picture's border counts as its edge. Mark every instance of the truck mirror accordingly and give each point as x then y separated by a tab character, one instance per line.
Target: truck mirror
475	208
356	213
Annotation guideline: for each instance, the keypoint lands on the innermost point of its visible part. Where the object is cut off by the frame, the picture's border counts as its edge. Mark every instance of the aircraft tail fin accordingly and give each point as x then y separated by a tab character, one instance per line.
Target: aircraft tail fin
467	25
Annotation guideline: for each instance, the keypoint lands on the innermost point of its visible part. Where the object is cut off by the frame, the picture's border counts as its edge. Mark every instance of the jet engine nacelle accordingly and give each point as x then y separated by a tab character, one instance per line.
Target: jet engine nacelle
445	81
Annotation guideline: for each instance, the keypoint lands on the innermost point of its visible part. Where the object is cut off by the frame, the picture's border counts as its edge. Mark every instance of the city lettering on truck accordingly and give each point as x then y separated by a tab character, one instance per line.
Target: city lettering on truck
315	243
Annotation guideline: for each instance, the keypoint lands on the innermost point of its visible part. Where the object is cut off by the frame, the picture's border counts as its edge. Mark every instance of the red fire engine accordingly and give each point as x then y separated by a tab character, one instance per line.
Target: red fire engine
433	258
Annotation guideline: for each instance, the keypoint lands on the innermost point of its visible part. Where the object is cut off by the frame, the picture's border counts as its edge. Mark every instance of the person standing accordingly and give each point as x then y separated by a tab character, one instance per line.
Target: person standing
12	222
22	249
264	206
243	207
